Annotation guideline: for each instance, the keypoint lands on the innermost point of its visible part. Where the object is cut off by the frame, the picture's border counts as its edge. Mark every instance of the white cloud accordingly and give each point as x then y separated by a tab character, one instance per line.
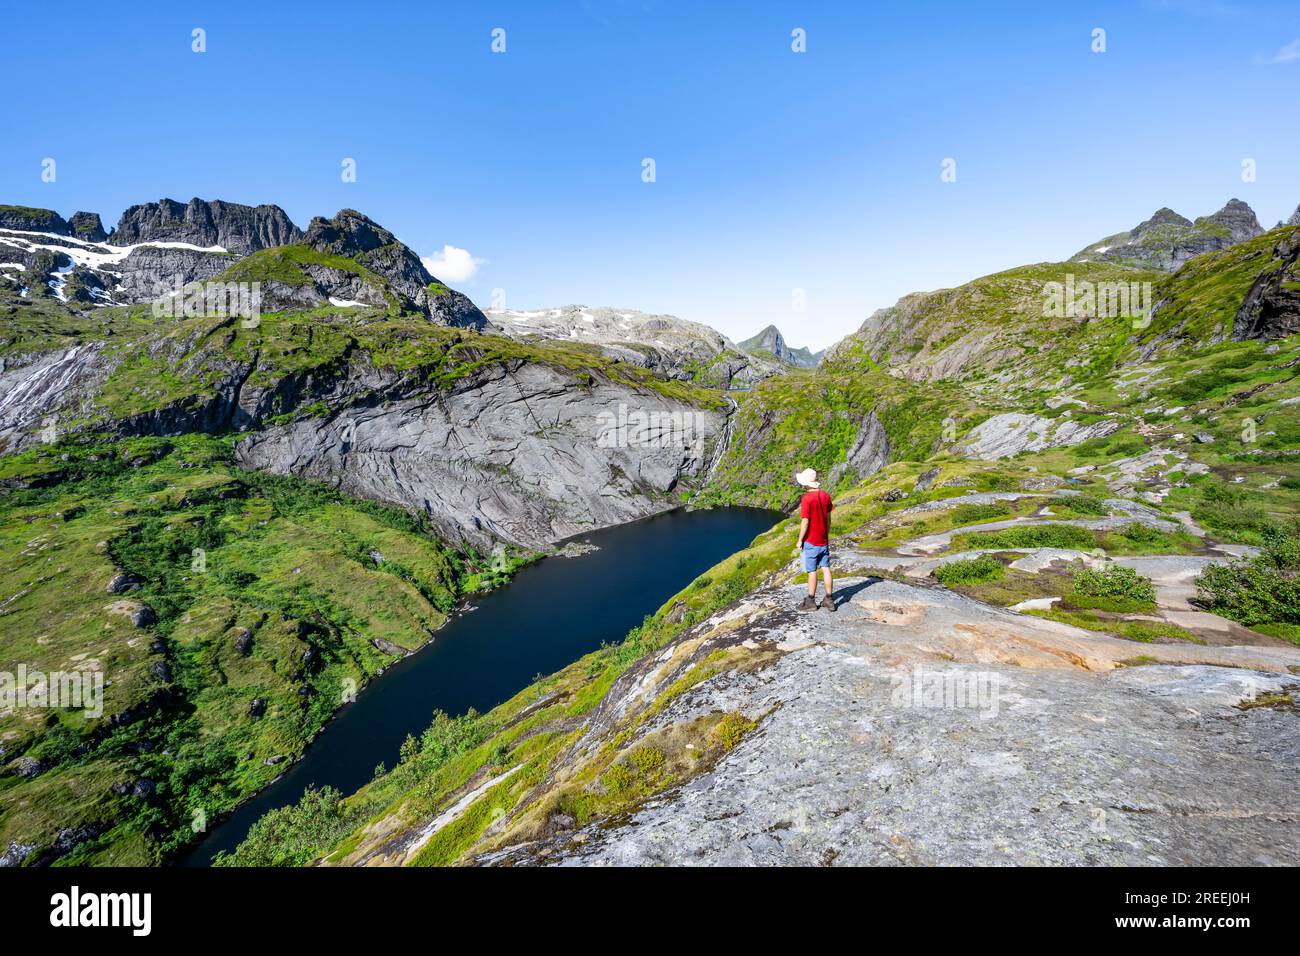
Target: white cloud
453	264
1288	54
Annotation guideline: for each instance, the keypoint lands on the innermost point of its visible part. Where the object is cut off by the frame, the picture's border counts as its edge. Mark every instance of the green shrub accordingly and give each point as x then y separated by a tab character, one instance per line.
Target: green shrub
970	571
1193	388
646	760
1140	533
1126	447
641	768
1113	603
1080	504
295	835
1235	514
732	728
1113	581
448	737
1028	536
618	778
977	514
1261	590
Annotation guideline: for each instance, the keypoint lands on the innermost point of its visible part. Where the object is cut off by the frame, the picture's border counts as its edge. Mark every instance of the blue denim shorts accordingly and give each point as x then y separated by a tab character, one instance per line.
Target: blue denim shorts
816	556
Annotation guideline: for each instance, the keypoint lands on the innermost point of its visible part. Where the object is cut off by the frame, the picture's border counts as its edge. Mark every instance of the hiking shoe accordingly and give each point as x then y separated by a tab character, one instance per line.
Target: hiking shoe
828	602
809	604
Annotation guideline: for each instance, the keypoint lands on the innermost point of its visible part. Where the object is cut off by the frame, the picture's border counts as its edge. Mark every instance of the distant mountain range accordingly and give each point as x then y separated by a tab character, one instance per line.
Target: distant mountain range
347	259
672	346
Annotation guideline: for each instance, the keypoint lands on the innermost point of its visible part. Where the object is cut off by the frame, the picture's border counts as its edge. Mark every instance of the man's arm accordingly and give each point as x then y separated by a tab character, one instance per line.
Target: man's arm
803	533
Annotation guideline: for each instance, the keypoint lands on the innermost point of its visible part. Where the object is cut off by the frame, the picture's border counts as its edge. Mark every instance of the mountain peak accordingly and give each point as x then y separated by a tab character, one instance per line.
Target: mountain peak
1164	216
1167	240
1238	218
233	226
356	236
771	341
348	233
87	226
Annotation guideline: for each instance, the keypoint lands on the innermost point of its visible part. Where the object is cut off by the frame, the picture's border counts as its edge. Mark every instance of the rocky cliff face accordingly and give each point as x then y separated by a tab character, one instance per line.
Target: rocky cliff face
31	390
512	451
1167	240
1238	218
84	274
1012	433
237	228
517	454
1271	309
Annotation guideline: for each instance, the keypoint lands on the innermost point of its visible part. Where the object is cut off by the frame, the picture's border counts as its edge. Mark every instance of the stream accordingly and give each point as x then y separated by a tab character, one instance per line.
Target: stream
550	614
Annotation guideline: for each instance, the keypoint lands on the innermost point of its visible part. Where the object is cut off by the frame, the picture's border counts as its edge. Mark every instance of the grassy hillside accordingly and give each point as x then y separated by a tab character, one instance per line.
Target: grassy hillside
812	419
253	588
996	329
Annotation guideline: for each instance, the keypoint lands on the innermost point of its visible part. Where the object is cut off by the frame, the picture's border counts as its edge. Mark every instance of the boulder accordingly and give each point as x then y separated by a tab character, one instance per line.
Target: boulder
122	582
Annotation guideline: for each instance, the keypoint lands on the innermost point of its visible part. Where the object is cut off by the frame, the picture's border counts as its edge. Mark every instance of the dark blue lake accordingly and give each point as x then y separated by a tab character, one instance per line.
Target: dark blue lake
550	614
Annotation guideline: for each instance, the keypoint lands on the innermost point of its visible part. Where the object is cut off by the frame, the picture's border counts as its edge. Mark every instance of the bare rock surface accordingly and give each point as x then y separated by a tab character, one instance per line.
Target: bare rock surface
1003	436
915	726
521	456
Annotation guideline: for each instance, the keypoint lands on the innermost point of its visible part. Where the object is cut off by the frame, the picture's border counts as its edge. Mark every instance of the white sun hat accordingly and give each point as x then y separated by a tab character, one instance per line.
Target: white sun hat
808	478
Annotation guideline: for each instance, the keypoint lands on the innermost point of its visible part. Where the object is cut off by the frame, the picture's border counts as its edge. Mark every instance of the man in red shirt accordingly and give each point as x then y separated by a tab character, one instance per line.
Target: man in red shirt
814	538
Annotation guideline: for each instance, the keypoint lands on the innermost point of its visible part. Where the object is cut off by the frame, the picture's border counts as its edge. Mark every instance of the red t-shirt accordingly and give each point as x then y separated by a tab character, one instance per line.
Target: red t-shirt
816	507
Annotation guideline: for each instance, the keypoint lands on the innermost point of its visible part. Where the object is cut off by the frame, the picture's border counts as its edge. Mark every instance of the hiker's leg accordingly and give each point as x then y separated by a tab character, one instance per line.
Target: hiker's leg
826	577
812	583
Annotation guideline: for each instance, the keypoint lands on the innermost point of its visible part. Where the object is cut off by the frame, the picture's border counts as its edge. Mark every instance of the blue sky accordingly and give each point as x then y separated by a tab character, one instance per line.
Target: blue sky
775	170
